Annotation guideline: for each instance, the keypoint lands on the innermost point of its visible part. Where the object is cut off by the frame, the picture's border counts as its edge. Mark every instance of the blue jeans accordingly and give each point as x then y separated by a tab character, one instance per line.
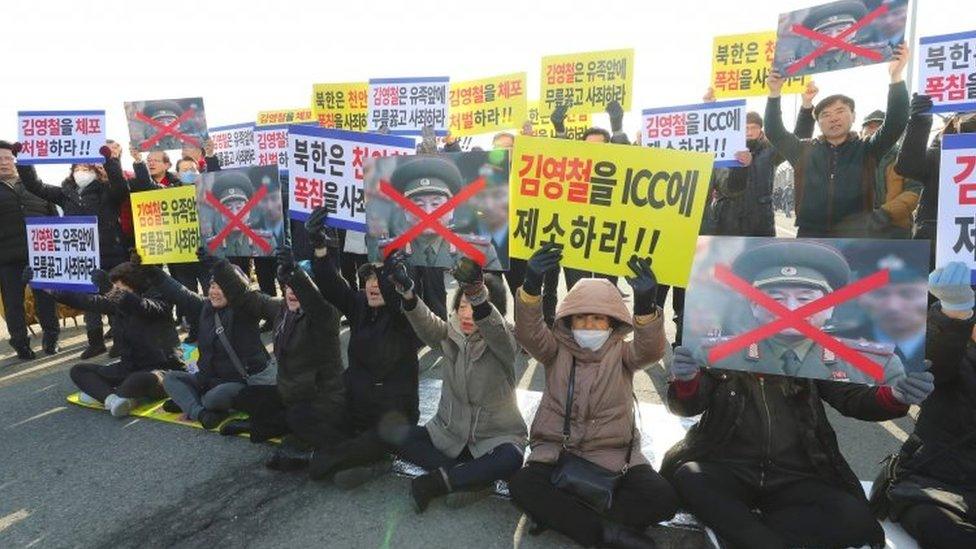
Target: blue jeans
464	472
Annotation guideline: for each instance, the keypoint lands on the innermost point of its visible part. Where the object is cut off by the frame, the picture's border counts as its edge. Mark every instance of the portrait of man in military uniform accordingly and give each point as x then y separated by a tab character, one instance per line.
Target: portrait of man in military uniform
234	190
794	273
429	182
165	112
882	35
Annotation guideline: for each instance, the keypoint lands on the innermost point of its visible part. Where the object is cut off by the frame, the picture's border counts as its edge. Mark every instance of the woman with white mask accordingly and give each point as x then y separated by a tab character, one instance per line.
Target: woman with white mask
91	190
586	476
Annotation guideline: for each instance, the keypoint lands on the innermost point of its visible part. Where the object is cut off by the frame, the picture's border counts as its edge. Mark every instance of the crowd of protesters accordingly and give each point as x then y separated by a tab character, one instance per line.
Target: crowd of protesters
762	466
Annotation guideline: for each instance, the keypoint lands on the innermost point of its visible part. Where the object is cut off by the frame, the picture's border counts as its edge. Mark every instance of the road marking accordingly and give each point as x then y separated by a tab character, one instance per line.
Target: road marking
13	518
39	416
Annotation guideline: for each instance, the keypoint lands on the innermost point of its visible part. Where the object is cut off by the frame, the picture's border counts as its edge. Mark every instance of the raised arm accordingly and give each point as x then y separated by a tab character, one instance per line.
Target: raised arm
531	331
117	189
649	341
896	116
308	295
241	297
326	245
786	144
915	159
950	321
175	293
28	176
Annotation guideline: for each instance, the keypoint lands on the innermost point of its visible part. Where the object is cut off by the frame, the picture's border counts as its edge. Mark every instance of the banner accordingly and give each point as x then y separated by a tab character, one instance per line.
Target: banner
438	208
166	124
405	105
488	105
285	116
718	128
839	35
604	203
587	81
947	71
60	137
234	145
62	252
341	106
166	225
241	214
848	310
271	145
741	63
576	123
957	202
327	169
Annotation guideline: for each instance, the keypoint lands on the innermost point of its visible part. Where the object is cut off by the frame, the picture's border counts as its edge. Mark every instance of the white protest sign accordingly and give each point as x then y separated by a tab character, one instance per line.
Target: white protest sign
718	127
957	202
60	137
947	71
406	105
234	145
62	252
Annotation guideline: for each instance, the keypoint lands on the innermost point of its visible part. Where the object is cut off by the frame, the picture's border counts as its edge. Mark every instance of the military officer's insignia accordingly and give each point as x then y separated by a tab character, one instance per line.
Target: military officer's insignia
788	271
839	375
753	352
425	182
891	262
828	356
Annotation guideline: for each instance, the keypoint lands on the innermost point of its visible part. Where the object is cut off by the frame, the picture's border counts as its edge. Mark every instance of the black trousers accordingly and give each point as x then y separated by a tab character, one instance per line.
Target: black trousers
100	380
271	418
678	303
938	527
643	498
787	512
515	277
464	471
12	292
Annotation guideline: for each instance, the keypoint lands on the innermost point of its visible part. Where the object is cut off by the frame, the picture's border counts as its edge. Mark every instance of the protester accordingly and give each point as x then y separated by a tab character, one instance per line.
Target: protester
17	203
477	435
144	334
933	484
895	197
382	374
834	174
231	352
586	417
94	191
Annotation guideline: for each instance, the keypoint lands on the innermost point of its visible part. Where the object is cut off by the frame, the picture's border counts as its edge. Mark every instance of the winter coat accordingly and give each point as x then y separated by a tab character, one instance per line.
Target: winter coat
478	408
602	422
835	183
916	160
16	203
102	199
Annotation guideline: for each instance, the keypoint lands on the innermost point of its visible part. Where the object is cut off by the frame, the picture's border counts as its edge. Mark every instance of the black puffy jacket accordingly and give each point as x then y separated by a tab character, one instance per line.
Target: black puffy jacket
16	203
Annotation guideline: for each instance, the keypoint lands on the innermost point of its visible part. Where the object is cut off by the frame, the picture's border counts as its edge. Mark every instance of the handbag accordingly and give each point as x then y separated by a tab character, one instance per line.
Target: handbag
590	483
267	376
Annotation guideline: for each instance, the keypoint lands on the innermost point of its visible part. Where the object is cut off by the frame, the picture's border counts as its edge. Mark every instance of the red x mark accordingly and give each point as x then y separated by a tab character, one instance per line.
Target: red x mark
168	129
838	41
237	220
433	220
795	319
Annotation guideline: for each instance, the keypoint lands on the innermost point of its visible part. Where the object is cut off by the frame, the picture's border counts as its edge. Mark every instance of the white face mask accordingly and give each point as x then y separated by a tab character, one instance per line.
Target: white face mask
83	178
591	339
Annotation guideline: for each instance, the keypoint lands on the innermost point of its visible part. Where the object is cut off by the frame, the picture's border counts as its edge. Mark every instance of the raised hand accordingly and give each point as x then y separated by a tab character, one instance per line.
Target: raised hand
644	284
684	367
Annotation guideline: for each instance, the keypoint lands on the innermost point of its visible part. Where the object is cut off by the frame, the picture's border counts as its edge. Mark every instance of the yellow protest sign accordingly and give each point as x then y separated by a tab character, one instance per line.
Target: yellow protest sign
285	116
604	203
741	63
166	225
340	106
488	105
587	81
576	123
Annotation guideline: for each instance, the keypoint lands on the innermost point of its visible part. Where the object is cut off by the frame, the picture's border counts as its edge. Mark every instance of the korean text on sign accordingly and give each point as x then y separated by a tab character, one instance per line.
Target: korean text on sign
741	63
604	203
285	116
576	123
60	137
587	81
63	252
488	105
271	145
166	225
327	169
234	145
341	106
717	128
406	105
957	202
947	71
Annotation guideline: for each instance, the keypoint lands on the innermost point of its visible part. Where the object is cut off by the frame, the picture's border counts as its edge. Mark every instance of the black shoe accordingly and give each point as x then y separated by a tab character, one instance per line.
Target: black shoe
108	334
426	488
235	427
171	407
322	465
210	419
24	352
115	352
93	350
344	322
265	327
618	536
52	348
289	458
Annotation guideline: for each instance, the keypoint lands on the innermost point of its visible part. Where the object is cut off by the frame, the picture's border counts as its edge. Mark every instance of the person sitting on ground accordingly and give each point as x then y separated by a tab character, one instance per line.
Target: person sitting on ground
478	435
144	334
382	377
586	417
231	352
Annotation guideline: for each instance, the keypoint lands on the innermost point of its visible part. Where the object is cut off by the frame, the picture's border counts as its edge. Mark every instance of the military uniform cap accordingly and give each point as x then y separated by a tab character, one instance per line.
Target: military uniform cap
232	185
426	175
869	258
835	13
793	263
163	108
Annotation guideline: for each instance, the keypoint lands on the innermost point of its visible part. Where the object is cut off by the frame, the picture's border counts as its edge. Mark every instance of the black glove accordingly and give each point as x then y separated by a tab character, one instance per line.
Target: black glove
469	275
27	275
920	105
286	261
644	284
395	270
616	112
558	118
543	260
320	235
101	281
879	222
